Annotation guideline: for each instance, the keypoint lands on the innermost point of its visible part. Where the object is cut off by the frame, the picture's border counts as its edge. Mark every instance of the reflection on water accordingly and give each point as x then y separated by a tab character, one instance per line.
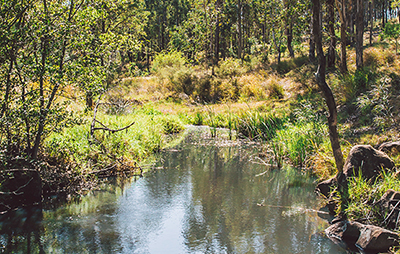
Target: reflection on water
203	201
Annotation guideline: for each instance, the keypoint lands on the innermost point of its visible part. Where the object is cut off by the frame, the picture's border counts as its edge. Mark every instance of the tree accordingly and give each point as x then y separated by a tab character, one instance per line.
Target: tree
289	6
392	31
371	20
47	46
341	6
331	30
359	33
326	90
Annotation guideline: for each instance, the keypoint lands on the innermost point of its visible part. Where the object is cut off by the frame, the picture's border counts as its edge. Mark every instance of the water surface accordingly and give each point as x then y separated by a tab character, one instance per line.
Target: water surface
207	198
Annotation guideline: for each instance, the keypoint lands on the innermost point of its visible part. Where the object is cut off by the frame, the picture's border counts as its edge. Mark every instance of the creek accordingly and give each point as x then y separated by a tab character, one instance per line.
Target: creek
206	196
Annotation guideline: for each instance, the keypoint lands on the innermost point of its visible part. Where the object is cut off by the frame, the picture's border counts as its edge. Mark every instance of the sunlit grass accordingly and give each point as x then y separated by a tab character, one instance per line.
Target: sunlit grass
146	136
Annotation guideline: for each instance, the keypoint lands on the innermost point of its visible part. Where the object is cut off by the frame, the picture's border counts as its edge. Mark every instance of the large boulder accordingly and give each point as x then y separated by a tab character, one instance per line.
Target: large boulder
368	238
367	160
19	187
363	159
376	239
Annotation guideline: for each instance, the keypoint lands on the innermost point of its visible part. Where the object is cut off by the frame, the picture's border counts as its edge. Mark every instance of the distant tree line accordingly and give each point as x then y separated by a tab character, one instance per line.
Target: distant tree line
48	48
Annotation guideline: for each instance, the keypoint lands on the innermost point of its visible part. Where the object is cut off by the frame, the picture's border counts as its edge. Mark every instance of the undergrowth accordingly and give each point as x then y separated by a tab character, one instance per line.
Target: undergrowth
121	149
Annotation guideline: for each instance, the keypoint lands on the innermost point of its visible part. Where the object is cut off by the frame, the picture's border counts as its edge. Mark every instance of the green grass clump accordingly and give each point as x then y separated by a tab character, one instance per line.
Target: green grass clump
256	125
299	141
147	135
364	194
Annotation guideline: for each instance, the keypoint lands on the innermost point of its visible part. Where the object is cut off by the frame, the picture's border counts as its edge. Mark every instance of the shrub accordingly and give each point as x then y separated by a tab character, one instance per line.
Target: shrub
174	73
172	59
376	102
275	90
230	68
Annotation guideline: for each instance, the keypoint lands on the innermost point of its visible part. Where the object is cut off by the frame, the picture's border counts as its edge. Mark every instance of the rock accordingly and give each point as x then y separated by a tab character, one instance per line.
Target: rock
390	147
344	231
326	187
366	159
20	187
362	158
389	204
367	237
376	239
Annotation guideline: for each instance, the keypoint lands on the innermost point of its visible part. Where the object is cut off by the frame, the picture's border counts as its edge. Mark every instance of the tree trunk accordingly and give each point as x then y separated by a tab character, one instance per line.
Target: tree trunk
360	33
8	87
42	112
289	36
331	28
350	23
341	6
327	92
371	20
383	14
216	54
239	43
398	13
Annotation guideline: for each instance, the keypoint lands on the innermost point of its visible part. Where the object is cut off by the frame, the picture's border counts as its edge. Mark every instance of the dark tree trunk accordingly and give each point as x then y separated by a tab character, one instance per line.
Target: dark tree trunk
360	33
350	23
331	29
341	6
289	36
8	88
216	46
383	14
240	40
371	20
398	13
327	92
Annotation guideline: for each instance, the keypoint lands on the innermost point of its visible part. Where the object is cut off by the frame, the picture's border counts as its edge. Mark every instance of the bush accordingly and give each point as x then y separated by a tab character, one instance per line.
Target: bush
174	73
172	59
275	90
230	68
376	102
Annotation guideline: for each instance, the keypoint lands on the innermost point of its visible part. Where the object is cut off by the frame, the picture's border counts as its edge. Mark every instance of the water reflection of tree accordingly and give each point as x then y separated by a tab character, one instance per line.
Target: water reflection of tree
20	231
84	225
224	217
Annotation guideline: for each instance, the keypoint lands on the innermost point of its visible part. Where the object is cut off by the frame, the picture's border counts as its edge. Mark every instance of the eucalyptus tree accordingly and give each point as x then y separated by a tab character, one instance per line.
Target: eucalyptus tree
342	6
330	5
49	46
359	33
276	24
289	20
326	90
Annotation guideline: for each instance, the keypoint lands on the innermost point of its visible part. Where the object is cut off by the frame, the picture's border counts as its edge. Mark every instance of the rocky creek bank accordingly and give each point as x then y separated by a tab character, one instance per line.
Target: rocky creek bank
371	164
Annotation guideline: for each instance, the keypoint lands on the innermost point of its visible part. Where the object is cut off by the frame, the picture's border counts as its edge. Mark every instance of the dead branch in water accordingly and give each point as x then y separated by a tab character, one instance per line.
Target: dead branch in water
289	207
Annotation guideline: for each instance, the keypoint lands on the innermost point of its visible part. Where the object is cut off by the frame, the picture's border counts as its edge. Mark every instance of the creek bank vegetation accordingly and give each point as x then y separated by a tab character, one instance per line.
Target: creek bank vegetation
162	66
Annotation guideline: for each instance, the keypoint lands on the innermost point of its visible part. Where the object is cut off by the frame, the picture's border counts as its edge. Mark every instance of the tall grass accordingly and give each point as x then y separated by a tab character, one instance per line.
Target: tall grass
363	194
257	125
299	141
127	147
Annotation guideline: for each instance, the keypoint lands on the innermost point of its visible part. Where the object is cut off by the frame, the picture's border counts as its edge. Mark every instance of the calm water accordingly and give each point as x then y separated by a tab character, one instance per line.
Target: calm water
204	200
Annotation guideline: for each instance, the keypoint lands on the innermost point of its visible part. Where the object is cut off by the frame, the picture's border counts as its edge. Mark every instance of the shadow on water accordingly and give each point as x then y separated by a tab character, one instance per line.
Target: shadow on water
20	230
206	199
